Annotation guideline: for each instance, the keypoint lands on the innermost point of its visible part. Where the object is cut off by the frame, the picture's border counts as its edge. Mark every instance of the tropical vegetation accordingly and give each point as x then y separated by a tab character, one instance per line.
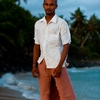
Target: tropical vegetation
17	32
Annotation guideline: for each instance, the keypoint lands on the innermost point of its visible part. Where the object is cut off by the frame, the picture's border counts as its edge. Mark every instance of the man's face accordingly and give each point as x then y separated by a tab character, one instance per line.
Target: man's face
49	6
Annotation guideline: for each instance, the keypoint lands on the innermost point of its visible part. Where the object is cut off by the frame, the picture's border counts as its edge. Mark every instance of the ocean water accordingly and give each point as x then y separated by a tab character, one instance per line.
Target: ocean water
85	81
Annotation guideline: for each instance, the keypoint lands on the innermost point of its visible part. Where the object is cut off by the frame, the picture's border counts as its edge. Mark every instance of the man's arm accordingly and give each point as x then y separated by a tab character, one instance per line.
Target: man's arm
36	52
57	70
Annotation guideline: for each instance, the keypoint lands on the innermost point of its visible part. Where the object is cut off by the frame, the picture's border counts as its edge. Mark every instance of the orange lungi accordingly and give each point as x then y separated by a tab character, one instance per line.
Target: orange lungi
54	88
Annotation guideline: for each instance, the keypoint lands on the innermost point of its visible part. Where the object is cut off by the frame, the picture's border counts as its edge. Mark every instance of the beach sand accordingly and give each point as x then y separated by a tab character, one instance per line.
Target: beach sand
9	94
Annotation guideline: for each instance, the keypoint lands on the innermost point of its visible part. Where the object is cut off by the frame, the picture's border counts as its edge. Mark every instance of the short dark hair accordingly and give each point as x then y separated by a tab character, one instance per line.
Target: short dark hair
55	1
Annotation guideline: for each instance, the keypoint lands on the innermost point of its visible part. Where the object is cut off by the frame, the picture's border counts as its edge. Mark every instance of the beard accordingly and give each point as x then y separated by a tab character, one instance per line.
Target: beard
49	12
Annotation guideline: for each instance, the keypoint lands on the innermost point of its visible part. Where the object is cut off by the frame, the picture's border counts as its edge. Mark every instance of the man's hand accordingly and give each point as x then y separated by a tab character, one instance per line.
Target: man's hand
57	71
35	72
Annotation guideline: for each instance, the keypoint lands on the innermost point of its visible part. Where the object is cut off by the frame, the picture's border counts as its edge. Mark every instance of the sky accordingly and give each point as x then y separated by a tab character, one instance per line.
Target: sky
65	7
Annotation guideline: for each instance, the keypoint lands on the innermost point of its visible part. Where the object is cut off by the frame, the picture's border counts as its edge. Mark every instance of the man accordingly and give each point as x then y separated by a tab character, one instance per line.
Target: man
52	39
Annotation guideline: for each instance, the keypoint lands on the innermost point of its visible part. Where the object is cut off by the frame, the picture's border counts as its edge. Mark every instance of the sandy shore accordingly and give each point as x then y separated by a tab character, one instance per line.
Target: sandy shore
9	94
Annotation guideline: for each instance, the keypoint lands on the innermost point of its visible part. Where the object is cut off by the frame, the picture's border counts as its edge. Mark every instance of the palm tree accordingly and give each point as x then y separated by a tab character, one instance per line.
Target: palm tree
78	22
4	24
91	28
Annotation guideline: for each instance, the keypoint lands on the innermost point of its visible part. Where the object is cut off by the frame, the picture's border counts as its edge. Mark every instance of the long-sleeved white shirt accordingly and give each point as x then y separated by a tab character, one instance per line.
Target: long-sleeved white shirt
51	37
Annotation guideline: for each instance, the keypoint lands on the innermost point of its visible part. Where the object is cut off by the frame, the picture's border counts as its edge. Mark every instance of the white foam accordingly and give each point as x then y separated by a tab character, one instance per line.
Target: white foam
31	95
25	86
24	83
8	78
76	70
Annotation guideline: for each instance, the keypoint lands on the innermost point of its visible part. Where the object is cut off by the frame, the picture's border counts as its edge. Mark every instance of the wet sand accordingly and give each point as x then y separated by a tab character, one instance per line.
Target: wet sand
9	94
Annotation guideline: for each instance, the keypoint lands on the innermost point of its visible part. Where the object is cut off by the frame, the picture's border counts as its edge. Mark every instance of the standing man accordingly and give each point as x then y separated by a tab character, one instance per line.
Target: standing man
52	39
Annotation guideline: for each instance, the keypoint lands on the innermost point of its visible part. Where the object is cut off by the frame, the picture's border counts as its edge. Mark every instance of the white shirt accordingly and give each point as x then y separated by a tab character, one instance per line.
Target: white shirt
51	37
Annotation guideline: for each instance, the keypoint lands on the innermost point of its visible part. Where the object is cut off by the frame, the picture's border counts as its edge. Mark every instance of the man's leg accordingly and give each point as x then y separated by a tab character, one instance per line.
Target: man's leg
44	82
64	86
54	95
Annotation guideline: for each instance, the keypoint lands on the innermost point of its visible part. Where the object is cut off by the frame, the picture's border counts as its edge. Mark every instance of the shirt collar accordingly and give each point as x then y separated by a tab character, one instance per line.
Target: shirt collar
54	19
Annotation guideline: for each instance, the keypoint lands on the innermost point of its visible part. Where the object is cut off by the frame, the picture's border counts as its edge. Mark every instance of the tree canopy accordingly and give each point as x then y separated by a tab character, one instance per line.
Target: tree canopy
17	31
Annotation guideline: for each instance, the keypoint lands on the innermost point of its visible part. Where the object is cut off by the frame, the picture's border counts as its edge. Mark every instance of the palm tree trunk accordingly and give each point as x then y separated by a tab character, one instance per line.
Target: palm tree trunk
82	44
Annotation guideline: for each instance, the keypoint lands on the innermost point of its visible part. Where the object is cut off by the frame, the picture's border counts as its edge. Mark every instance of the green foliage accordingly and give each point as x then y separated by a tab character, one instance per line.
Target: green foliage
18	1
17	31
85	52
95	56
85	35
16	27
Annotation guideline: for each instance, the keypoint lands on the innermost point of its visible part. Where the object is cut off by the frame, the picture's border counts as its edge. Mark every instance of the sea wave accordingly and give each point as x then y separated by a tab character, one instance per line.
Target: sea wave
86	78
27	87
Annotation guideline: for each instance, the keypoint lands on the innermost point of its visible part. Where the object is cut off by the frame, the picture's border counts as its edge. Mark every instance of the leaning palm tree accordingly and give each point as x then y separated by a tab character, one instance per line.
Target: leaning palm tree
91	28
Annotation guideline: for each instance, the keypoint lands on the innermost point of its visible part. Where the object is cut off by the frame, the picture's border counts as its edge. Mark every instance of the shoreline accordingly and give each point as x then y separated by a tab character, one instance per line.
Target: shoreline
83	63
7	67
10	94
